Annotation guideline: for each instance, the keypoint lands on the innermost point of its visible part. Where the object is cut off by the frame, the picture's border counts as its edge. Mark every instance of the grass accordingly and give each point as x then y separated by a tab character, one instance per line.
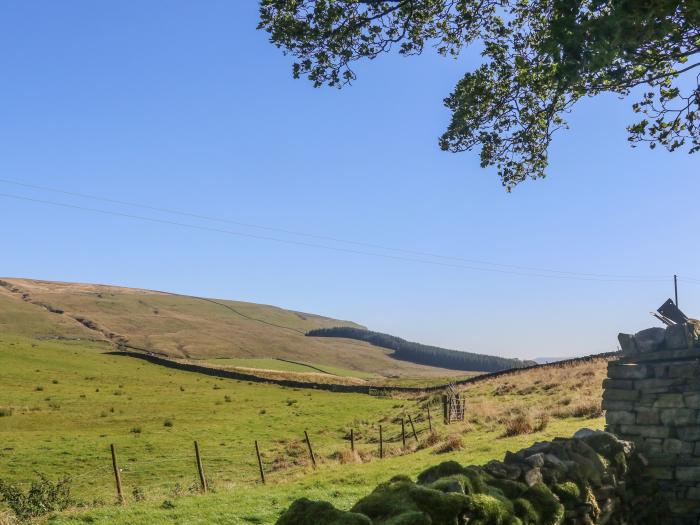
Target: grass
286	366
153	415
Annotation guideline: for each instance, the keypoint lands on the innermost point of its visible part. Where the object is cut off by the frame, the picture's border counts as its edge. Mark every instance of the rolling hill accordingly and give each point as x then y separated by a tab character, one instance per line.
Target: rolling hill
190	327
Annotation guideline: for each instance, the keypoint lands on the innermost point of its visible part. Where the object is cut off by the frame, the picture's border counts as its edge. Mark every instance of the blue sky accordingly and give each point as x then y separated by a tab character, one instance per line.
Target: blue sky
184	105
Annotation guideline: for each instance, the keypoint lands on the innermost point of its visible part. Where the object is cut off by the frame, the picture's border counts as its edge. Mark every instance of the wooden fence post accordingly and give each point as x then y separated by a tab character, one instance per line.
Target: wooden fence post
352	440
117	476
430	421
311	452
445	410
381	443
200	468
413	427
262	471
403	433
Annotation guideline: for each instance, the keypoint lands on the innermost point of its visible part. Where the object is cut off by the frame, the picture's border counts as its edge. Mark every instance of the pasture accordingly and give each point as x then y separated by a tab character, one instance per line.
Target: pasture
65	402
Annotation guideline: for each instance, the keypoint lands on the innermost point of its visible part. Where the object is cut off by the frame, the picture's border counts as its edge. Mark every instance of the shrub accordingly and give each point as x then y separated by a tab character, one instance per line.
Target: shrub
135	430
43	497
590	408
450	444
168	423
5	411
39	389
518	425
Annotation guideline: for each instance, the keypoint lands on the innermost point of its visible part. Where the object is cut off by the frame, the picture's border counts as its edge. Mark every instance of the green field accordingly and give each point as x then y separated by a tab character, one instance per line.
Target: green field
286	366
68	401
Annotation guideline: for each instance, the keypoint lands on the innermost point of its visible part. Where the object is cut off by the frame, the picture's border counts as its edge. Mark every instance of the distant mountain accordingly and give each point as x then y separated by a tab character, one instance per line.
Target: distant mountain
423	354
545	360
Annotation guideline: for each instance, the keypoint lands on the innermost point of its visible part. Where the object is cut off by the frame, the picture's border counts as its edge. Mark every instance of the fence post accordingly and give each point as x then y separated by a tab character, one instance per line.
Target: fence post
430	421
403	433
352	440
381	443
200	468
311	452
413	428
117	476
262	471
445	410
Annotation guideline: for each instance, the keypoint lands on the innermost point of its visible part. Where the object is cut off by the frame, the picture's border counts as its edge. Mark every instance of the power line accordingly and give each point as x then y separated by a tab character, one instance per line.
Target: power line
332	238
332	248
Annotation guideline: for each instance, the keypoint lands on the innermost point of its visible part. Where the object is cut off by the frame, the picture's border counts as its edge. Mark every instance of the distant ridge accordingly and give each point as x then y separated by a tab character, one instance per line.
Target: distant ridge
424	354
546	360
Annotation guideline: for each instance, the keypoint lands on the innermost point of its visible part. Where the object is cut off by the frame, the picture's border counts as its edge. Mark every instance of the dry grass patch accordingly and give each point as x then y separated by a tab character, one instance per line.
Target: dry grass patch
452	443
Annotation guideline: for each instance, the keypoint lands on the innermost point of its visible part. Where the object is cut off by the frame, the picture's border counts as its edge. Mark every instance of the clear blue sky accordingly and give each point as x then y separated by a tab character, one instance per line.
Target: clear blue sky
185	105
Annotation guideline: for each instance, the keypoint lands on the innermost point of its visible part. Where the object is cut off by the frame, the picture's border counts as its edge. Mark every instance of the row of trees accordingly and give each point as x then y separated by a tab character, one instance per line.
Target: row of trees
424	354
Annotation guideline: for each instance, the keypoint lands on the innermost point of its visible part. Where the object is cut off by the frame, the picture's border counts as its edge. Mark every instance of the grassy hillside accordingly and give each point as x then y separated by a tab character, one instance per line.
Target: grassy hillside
64	402
188	327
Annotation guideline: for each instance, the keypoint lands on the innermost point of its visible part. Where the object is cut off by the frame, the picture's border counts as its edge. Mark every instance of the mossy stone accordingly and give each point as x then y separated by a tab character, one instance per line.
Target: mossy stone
548	506
444	469
396	501
569	493
511	489
525	510
485	509
305	512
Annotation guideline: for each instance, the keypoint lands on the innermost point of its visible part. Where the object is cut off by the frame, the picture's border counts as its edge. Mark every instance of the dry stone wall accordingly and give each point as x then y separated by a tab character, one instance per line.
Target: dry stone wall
652	398
589	479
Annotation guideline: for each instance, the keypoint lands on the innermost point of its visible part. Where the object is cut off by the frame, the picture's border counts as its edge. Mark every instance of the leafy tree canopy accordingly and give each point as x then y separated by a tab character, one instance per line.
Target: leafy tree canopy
539	58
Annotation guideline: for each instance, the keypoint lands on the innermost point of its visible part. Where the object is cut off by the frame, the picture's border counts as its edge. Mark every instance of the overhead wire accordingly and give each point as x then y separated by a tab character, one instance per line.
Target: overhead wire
531	269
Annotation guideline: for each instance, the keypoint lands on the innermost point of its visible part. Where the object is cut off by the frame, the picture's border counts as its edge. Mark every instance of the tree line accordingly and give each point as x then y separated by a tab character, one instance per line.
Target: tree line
424	354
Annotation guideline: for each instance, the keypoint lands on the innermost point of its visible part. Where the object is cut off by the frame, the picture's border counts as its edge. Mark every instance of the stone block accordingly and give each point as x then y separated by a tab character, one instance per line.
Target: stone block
622	395
669	401
619	384
692	400
620	417
676	337
646	400
660	386
648	416
684	370
693	493
647	431
688	474
653	446
649	340
689	433
627	343
610	404
678	416
676	446
627	371
660	472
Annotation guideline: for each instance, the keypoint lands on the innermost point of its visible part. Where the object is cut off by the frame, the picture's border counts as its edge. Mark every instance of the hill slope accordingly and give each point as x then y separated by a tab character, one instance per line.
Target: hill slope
187	327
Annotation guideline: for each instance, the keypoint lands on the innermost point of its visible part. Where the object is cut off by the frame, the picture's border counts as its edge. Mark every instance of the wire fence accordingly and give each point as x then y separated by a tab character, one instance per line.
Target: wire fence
132	476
